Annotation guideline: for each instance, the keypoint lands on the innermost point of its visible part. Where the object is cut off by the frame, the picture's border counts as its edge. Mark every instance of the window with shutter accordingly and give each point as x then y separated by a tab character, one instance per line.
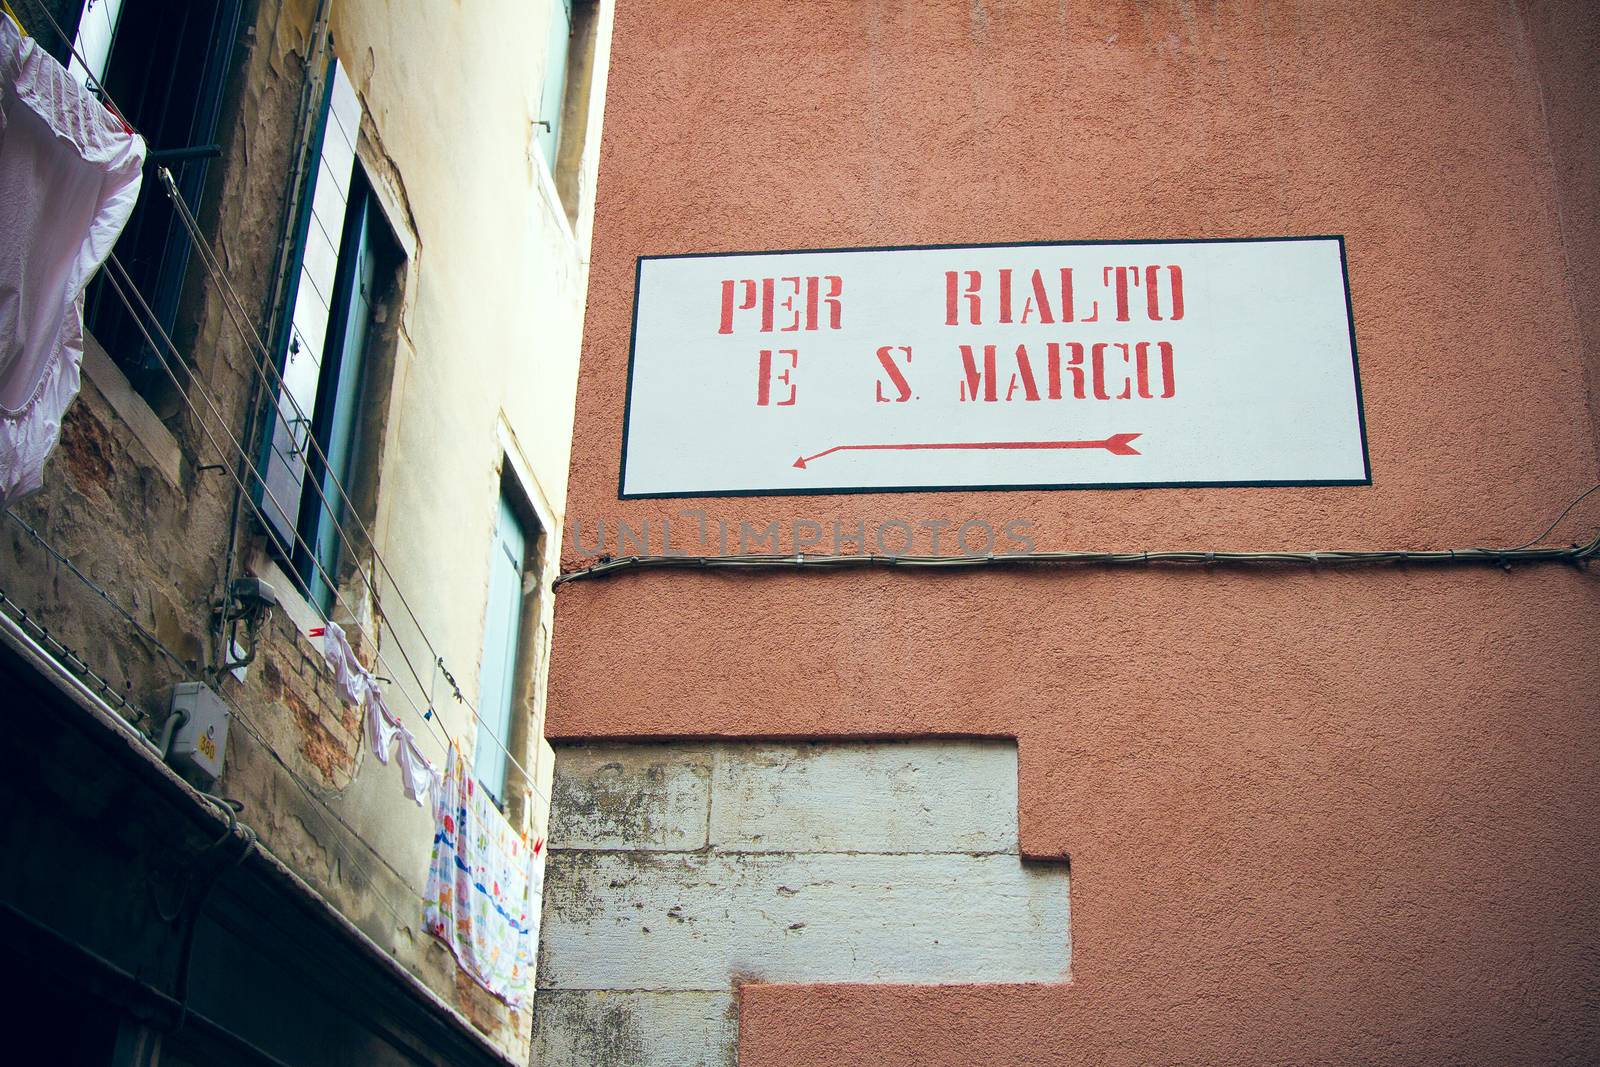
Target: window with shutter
569	69
553	98
309	442
502	631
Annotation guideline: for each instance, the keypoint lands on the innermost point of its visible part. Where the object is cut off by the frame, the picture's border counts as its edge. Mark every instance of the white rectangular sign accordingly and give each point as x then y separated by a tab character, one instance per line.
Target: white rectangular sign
1043	366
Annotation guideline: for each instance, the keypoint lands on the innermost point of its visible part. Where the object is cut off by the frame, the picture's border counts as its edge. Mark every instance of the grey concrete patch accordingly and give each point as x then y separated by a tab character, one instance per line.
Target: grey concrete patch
634	1028
905	796
675	867
620	921
631	797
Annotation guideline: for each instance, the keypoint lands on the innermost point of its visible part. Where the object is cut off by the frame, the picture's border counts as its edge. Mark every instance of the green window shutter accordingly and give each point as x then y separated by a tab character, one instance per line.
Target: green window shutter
166	64
286	450
554	96
501	630
339	391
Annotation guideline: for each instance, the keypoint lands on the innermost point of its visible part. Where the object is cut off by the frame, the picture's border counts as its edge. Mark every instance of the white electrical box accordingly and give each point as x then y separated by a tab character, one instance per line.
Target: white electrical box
200	744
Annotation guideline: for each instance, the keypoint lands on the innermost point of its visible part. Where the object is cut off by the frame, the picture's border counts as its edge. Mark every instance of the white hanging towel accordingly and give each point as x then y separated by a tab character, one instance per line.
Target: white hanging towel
357	685
69	177
382	727
417	776
348	674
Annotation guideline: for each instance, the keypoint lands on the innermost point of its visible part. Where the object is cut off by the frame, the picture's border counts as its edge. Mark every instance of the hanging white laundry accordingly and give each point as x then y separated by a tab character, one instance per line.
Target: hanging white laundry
356	684
349	675
382	727
417	776
69	177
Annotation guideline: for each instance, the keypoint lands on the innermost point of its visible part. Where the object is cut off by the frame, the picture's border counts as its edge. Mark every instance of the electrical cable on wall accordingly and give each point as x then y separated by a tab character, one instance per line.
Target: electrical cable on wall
118	271
427	717
1577	555
183	671
118	277
112	276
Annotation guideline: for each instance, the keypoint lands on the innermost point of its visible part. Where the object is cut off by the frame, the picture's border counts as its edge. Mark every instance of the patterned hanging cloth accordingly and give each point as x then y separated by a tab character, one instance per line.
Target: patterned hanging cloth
485	885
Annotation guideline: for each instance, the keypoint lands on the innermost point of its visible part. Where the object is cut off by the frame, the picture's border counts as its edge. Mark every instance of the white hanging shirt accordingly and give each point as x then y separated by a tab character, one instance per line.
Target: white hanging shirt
69	177
382	727
417	776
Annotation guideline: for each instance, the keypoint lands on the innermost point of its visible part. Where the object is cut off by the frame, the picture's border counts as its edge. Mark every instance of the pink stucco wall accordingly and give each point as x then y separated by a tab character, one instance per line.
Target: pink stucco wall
1340	816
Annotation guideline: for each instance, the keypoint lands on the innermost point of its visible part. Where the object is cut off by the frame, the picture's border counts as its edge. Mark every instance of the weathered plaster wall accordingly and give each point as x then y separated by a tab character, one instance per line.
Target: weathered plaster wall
680	872
478	343
1313	816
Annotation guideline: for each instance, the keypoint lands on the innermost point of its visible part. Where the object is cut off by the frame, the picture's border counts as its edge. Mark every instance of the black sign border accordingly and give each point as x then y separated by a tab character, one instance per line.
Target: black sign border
1350	319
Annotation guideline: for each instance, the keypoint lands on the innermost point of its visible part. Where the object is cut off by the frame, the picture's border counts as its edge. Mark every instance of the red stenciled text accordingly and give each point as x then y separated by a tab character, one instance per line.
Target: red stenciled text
787	304
1052	368
783	305
1091	369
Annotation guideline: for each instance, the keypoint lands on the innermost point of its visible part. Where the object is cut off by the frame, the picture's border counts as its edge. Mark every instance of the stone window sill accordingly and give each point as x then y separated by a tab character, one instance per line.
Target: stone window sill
142	423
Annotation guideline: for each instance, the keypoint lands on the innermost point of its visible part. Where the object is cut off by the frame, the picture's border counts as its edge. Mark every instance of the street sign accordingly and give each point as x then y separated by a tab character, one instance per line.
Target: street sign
1044	366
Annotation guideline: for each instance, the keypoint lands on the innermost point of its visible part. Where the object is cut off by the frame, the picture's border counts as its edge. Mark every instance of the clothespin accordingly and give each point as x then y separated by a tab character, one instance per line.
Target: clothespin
109	106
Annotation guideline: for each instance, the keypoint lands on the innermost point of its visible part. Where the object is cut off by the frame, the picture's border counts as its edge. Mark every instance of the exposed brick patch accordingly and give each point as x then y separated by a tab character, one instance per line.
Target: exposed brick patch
349	717
272	677
329	728
317	743
87	450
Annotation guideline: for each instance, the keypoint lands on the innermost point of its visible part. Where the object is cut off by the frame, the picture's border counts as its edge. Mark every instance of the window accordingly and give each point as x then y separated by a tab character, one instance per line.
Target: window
564	98
164	62
310	443
553	98
499	732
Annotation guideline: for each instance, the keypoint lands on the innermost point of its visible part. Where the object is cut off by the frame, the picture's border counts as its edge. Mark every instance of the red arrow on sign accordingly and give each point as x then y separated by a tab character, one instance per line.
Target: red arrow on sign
1116	444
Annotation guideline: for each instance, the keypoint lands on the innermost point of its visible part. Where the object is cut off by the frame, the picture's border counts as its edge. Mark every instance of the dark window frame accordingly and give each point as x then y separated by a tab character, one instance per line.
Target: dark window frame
154	246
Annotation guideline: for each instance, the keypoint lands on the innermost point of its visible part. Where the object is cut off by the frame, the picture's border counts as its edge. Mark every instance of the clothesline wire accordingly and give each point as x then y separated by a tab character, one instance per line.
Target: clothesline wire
247	496
72	48
220	278
305	787
88	674
182	392
252	340
119	276
66	561
322	571
184	672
